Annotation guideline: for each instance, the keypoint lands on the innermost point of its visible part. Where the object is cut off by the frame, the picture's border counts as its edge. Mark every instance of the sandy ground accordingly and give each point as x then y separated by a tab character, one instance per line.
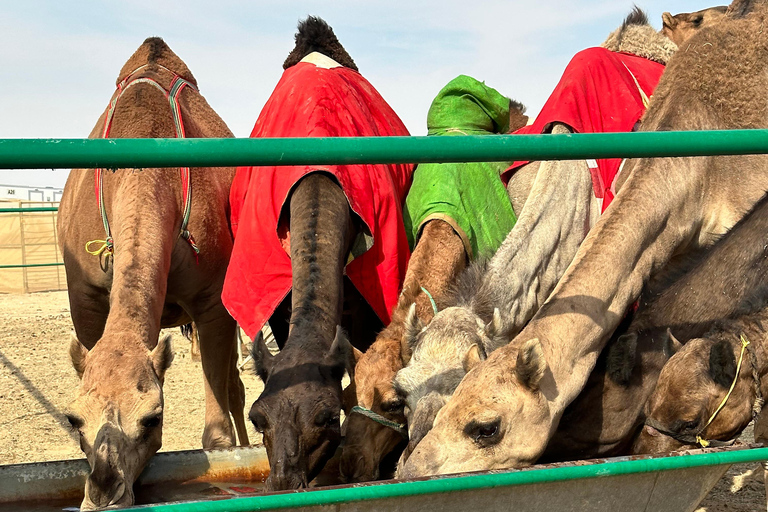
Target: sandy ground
37	382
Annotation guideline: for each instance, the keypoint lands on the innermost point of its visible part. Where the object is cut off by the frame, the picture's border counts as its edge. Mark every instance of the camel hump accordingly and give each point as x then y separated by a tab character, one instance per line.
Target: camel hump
155	51
315	35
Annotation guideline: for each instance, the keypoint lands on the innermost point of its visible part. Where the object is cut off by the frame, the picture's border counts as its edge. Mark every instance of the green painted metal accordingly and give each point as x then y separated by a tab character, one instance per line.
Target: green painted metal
114	153
463	483
30	210
32	265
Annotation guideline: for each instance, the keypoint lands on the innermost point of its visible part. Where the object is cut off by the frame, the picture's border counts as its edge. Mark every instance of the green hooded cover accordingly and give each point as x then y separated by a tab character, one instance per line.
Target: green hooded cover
469	196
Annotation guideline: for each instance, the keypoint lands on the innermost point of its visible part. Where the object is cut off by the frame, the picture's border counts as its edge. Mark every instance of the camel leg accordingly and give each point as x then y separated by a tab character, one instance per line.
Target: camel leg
216	331
558	213
237	398
89	310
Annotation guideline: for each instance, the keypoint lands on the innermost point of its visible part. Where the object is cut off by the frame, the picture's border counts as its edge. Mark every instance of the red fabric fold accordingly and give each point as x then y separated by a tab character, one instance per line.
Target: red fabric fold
596	94
310	101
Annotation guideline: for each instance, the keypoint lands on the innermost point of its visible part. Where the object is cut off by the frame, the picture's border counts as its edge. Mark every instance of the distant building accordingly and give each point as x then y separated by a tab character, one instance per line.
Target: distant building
24	193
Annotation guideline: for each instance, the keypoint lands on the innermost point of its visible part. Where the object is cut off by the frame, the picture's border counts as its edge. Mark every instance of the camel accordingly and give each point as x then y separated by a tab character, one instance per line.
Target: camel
735	273
309	222
146	275
710	287
556	212
666	208
374	431
680	27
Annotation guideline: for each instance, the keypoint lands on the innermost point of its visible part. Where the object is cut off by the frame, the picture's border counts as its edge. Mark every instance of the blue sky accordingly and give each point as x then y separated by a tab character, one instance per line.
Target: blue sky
59	60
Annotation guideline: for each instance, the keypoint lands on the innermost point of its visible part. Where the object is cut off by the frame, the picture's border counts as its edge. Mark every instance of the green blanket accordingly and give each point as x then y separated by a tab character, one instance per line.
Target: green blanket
469	196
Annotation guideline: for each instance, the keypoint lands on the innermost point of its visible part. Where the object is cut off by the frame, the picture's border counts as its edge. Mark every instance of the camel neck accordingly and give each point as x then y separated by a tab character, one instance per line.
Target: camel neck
321	233
145	216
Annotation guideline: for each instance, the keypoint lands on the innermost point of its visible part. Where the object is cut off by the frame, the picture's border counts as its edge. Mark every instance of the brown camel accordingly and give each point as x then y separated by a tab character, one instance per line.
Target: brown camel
299	410
149	278
730	300
666	207
372	439
680	27
605	417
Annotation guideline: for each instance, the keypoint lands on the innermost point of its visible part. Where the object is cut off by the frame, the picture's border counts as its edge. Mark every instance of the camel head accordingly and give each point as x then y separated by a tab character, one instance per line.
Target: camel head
118	412
691	386
299	410
477	429
439	356
681	26
367	442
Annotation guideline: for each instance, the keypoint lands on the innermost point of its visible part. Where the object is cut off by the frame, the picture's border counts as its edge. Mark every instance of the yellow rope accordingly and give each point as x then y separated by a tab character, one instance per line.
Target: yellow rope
104	247
703	442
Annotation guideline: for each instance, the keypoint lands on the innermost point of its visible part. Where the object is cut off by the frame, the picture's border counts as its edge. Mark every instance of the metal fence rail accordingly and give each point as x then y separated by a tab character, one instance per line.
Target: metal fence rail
114	153
304	499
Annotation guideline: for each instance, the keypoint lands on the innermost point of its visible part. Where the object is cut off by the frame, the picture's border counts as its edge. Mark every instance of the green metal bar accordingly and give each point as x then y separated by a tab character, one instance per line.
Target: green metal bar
463	483
26	210
115	153
32	265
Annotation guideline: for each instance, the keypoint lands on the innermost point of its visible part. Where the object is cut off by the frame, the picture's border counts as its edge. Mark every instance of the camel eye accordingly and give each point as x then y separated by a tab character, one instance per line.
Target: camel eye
685	426
75	422
393	405
697	21
326	418
259	421
152	421
484	433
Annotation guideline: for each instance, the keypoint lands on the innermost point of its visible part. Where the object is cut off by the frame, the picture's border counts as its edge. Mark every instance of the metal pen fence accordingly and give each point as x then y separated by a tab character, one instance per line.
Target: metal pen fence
142	153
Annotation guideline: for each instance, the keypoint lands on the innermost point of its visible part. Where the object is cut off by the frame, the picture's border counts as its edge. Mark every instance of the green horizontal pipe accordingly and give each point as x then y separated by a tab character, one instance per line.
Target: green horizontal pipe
32	265
463	483
27	210
116	153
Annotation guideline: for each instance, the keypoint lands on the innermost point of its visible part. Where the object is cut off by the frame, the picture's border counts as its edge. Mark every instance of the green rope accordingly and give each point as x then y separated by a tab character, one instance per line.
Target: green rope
431	300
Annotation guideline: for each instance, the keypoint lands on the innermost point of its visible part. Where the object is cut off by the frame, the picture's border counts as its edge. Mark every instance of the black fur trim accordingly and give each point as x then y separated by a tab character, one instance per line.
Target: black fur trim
315	35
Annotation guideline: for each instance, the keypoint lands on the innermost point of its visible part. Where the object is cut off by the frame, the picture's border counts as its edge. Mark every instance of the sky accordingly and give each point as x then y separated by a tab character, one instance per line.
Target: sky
59	60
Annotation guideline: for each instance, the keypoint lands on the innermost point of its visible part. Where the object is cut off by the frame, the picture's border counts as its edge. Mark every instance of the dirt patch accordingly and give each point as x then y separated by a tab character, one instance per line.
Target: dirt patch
37	382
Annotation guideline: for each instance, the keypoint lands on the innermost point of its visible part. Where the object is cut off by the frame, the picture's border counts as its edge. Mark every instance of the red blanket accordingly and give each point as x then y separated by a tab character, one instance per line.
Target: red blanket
598	93
311	101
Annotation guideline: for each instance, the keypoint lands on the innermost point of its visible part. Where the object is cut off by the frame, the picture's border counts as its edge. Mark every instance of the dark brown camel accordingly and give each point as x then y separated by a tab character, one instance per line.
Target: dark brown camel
733	304
666	208
299	410
607	415
120	301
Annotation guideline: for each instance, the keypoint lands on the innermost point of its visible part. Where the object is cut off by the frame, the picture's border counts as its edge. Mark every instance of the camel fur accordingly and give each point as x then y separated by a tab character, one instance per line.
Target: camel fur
667	207
119	302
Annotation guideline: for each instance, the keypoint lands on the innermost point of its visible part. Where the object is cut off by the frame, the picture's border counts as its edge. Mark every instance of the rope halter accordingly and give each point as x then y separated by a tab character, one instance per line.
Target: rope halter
697	438
381	420
177	85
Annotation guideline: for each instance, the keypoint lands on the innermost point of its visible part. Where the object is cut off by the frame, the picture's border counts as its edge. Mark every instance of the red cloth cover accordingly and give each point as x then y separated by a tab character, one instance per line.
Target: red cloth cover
310	101
597	93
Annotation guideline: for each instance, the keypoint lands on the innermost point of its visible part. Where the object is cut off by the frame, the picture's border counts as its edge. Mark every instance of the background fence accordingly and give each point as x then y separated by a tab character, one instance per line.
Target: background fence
30	260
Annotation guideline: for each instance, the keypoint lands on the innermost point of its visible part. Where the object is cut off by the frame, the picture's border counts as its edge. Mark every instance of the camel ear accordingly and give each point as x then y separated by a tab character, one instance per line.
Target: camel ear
162	356
77	353
497	330
531	364
413	326
262	357
342	355
668	20
622	356
474	355
722	363
671	344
